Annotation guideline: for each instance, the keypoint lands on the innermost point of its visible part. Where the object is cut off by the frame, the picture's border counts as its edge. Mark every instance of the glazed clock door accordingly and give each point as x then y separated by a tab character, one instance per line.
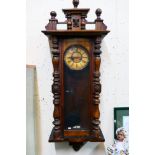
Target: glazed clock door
76	87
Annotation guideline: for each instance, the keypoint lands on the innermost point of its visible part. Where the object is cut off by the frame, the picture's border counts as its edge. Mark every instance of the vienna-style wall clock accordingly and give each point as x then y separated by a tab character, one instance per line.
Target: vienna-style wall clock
76	83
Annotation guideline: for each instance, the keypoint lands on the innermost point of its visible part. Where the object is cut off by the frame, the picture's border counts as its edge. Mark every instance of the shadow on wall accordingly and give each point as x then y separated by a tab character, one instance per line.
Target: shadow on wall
99	149
90	148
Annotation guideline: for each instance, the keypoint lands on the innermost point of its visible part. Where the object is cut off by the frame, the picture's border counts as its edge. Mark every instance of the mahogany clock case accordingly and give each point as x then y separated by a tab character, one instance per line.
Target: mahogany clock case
76	78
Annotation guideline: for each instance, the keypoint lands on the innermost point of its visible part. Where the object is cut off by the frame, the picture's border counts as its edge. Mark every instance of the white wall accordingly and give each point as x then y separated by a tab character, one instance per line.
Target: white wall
114	66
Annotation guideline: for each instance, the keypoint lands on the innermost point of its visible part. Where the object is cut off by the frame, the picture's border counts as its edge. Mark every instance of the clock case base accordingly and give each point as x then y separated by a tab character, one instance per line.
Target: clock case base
77	141
90	138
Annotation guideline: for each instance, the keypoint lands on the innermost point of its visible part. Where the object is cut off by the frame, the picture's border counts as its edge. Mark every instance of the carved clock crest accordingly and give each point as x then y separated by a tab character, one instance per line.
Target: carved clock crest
76	77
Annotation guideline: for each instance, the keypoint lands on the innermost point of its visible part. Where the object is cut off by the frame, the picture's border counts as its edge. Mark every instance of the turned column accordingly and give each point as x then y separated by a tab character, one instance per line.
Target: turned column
56	87
96	88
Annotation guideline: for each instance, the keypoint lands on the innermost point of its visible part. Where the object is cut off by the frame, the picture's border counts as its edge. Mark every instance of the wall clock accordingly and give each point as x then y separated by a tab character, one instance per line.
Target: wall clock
76	77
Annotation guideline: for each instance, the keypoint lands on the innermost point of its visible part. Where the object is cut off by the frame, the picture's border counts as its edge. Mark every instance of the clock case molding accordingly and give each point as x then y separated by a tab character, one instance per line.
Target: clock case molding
76	31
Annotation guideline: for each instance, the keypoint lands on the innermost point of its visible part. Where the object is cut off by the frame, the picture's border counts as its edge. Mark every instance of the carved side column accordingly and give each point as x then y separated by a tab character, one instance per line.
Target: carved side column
97	88
56	87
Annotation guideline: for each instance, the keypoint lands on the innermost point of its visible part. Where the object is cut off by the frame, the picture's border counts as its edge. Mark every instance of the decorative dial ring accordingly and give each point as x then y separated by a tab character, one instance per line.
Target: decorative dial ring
76	58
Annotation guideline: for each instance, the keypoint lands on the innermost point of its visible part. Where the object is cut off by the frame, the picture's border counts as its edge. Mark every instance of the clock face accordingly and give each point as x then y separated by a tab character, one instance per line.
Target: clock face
76	58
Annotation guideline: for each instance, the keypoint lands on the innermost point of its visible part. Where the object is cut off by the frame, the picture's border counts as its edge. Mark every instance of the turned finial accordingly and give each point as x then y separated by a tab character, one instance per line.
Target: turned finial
75	3
98	13
53	14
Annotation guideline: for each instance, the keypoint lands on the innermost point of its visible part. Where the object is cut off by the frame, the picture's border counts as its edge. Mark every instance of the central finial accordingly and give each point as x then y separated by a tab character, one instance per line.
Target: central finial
98	13
75	3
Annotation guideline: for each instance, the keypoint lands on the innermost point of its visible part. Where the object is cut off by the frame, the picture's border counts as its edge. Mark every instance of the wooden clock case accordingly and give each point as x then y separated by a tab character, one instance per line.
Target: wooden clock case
76	93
